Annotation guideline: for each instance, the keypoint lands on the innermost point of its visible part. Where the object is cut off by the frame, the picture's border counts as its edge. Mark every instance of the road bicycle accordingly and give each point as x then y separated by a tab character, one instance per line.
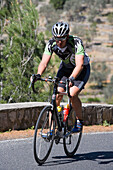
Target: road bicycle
50	126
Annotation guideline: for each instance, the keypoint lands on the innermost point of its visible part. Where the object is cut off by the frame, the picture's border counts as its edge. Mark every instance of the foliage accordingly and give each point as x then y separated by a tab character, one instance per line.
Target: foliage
108	92
21	53
23	50
72	5
110	18
76	13
105	123
86	35
57	4
99	73
93	14
96	8
99	4
52	16
6	10
89	100
74	9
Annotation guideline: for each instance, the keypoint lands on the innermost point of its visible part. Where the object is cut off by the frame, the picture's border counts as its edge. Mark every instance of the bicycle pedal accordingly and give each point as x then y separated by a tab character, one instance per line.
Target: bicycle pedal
57	140
58	136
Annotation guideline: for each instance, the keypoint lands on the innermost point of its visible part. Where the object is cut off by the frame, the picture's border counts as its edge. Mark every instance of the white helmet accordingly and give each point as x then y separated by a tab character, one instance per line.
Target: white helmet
60	29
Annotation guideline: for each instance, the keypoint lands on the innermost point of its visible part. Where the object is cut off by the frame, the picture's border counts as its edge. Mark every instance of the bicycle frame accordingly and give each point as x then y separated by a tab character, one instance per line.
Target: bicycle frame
54	105
46	138
55	92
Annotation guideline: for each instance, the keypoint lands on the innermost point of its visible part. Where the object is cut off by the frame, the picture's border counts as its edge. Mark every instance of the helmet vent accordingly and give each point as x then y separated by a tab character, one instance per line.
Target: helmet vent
63	31
56	30
60	29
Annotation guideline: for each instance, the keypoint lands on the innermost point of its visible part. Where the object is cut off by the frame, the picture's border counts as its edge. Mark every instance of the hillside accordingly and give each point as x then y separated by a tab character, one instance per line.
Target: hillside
92	21
100	47
102	44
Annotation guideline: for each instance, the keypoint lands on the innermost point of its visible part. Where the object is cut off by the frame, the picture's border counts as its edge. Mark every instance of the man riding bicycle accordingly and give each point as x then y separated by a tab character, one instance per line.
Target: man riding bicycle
74	65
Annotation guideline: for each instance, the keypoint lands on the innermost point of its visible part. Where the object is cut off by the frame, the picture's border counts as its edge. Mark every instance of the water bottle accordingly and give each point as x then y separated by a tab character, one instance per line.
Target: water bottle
66	112
59	109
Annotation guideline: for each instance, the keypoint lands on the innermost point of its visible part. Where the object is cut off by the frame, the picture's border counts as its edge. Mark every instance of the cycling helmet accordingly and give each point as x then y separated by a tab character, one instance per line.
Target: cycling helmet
60	29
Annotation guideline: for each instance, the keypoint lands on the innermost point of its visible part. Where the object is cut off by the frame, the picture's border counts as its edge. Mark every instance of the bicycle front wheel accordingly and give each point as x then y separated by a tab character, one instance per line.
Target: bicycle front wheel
43	136
72	140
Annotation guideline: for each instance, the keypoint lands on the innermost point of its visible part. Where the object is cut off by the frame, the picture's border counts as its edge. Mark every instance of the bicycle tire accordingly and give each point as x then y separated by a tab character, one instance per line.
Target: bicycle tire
42	146
72	141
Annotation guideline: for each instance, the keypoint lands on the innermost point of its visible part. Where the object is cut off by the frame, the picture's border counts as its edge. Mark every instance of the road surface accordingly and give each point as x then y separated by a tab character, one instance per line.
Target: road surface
95	152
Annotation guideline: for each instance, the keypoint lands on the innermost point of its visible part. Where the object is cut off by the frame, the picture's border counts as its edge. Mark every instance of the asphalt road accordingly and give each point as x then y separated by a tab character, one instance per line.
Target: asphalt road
95	152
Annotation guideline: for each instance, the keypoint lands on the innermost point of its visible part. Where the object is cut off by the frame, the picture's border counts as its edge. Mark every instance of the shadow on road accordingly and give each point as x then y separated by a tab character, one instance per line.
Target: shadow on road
102	157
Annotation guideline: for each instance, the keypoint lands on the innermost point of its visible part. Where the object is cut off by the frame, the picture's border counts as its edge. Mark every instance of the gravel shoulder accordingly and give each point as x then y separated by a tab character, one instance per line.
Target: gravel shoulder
14	134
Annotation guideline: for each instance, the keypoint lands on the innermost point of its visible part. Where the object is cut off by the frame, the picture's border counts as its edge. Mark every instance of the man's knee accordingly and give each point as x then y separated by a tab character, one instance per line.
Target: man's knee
59	97
60	89
74	91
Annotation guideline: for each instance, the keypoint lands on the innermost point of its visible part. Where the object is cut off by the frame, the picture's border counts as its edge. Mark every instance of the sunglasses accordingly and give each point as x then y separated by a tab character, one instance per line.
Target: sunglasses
60	38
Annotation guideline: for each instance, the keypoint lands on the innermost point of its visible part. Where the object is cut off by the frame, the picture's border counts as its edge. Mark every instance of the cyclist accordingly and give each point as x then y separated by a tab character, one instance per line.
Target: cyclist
74	65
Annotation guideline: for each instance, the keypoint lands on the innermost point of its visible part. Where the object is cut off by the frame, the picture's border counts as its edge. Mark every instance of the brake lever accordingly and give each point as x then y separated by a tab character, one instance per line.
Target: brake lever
33	77
30	85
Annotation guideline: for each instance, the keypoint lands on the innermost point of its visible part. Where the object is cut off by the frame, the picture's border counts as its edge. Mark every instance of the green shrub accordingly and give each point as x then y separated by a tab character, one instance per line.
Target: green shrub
93	99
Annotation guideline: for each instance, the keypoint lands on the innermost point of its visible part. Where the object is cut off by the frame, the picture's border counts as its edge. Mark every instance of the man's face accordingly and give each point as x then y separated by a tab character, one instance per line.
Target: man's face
61	41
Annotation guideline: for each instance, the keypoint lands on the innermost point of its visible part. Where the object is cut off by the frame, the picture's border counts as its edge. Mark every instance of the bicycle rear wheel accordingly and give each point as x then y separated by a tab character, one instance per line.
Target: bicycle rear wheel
72	140
43	141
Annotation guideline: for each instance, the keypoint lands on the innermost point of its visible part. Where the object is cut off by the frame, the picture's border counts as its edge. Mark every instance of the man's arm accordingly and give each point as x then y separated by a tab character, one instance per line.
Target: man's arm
43	64
79	59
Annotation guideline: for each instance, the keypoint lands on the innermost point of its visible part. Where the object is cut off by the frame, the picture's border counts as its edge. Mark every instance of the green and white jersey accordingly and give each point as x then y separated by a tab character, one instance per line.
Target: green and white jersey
74	46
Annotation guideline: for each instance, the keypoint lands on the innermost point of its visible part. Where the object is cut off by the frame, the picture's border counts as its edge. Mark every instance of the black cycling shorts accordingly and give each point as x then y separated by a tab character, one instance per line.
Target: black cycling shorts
64	73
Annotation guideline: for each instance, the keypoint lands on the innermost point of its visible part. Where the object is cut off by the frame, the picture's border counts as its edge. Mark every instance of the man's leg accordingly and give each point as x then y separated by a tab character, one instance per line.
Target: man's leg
59	97
77	106
76	103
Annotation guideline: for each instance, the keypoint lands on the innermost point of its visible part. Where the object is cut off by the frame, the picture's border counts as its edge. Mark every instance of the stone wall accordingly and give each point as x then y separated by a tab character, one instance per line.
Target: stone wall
95	114
24	115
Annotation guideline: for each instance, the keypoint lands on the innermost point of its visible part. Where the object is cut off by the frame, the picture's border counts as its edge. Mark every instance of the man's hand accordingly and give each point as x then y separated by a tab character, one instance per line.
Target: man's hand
38	77
71	83
35	77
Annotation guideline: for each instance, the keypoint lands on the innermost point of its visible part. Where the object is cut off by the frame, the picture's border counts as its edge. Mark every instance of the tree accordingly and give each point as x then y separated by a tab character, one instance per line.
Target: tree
21	53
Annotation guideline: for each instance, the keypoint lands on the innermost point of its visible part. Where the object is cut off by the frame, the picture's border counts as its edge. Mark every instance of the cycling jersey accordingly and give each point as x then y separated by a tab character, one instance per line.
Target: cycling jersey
73	46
